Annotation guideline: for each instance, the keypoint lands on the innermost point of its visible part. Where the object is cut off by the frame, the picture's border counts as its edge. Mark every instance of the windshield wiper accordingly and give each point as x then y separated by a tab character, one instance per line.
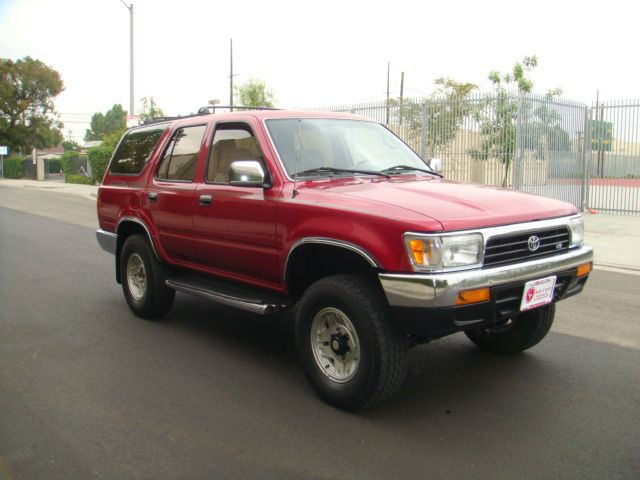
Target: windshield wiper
321	170
407	168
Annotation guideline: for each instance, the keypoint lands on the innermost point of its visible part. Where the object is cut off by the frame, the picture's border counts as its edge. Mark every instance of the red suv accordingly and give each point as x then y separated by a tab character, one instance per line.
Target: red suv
334	216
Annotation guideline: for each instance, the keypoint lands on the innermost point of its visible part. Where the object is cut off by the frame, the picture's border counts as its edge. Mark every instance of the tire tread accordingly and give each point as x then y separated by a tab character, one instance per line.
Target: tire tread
390	366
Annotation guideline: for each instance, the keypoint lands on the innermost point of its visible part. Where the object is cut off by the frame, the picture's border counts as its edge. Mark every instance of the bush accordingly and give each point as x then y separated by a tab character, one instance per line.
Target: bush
81	179
68	160
99	158
13	167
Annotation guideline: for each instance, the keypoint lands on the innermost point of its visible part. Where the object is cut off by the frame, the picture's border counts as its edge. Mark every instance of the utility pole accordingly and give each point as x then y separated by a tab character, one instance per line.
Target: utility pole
231	75
131	105
401	95
388	70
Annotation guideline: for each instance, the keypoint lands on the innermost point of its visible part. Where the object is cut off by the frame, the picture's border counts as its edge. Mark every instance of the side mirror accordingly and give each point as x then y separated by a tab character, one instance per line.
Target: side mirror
246	173
436	165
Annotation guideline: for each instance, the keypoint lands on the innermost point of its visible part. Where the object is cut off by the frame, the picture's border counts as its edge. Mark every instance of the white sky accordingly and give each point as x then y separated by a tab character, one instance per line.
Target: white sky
317	53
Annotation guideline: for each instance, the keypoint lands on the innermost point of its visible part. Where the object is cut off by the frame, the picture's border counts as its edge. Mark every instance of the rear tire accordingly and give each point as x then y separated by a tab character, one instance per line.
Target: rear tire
143	279
352	355
527	330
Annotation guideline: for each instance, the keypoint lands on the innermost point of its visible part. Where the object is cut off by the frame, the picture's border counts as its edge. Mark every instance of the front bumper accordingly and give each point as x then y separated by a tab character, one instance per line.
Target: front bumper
425	305
442	289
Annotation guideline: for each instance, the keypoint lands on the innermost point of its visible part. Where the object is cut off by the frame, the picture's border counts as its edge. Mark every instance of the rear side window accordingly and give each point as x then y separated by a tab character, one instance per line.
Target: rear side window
134	151
181	157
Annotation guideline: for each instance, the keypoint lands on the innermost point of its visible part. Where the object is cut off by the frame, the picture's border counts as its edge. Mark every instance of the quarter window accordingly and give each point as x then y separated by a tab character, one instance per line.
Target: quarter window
134	151
181	156
231	142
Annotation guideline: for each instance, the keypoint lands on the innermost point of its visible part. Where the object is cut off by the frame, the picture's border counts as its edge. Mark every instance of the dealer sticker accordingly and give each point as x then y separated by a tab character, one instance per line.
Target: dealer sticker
537	293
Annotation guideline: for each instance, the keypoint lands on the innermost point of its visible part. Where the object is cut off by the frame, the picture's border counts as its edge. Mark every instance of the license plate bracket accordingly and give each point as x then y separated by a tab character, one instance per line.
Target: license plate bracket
537	293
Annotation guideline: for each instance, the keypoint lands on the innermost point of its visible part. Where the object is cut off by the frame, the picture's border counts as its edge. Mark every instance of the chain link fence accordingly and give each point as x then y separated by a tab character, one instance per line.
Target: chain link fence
588	156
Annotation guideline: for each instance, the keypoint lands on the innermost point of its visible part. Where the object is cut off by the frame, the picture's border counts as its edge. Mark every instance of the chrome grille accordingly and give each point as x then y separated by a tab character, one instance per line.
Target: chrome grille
515	248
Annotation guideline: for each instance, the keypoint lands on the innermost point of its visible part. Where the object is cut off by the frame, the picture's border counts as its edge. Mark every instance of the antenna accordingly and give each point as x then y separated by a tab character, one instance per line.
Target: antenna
295	167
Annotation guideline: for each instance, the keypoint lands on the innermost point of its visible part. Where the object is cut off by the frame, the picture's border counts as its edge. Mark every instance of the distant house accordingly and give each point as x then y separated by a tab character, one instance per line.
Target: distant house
90	144
50	153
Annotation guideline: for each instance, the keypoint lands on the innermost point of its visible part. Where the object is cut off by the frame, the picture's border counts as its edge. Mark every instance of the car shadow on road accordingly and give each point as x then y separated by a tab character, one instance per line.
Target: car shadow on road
448	376
457	403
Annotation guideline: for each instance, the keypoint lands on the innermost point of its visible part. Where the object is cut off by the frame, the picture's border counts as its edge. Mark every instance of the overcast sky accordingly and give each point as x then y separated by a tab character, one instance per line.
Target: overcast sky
317	53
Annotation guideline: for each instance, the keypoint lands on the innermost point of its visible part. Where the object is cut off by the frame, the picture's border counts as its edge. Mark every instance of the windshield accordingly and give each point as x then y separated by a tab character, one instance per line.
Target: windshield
323	147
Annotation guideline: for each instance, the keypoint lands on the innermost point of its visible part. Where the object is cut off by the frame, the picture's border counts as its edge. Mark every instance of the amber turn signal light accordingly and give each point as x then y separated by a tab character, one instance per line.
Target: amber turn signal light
583	269
417	251
473	296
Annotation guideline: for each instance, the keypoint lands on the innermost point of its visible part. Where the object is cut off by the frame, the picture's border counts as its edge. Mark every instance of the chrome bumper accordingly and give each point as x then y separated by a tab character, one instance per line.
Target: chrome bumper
441	289
107	240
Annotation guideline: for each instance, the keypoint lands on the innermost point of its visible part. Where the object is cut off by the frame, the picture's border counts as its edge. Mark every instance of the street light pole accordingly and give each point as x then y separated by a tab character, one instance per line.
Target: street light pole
131	105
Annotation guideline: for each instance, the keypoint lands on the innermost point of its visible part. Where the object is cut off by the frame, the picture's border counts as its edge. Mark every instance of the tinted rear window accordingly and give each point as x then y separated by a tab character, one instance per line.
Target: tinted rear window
135	150
181	157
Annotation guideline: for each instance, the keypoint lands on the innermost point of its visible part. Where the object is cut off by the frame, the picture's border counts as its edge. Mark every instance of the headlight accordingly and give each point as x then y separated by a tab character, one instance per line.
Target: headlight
434	253
576	225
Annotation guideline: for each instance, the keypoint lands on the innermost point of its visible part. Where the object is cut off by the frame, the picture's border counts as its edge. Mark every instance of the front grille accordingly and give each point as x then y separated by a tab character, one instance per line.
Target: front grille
514	248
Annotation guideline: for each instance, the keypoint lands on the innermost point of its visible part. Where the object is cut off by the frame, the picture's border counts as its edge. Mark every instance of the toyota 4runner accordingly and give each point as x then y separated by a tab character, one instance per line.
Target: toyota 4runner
335	217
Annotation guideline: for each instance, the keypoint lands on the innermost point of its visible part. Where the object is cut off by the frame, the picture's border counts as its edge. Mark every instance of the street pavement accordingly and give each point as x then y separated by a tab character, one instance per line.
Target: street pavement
87	390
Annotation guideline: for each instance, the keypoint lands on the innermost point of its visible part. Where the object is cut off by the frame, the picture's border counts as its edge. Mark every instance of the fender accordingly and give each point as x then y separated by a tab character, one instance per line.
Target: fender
146	229
370	259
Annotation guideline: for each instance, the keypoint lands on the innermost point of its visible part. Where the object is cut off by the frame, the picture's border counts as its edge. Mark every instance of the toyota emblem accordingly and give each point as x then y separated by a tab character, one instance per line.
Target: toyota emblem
533	243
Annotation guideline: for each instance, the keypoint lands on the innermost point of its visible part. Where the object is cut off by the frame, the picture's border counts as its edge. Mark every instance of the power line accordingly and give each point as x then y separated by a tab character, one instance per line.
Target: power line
416	91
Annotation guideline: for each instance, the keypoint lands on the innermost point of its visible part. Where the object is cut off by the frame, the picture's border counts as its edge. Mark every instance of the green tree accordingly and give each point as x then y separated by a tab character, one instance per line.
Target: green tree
543	132
498	122
149	109
99	159
99	156
70	145
28	88
254	93
442	113
105	124
69	161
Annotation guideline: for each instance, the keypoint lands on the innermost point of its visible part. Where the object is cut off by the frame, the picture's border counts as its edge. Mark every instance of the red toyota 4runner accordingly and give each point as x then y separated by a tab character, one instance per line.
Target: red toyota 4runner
334	216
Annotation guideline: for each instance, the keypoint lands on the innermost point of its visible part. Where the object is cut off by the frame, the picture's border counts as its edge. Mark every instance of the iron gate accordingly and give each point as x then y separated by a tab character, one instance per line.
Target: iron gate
588	156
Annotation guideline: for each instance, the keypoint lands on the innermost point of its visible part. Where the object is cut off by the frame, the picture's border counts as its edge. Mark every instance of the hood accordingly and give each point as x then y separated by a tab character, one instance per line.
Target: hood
455	205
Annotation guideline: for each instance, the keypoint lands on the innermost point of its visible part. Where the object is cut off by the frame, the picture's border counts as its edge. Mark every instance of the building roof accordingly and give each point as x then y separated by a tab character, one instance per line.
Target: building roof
59	150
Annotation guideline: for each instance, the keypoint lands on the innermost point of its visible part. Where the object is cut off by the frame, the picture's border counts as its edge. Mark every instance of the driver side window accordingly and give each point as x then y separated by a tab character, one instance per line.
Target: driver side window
231	142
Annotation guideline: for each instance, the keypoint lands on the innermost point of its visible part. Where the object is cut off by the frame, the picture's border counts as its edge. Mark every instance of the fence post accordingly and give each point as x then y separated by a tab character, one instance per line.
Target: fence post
423	133
518	157
586	145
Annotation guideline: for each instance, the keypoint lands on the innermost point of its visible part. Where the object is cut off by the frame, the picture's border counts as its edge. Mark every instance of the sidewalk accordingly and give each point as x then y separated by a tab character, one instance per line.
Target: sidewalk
87	191
614	238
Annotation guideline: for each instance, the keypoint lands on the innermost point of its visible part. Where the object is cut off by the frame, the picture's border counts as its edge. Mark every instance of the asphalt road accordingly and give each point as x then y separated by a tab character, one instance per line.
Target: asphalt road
89	391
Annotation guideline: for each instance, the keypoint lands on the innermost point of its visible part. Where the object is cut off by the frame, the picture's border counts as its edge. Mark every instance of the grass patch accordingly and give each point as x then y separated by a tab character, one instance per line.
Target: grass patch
80	179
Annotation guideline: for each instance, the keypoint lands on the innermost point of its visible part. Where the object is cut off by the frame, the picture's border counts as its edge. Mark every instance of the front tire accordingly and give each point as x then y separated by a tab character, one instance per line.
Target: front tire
525	331
352	355
143	279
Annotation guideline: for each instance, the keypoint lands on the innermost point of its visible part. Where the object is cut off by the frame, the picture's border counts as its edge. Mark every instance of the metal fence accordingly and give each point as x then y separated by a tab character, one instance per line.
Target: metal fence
588	156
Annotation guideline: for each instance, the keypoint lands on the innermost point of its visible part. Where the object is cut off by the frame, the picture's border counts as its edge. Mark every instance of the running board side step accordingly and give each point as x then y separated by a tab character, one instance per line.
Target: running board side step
230	295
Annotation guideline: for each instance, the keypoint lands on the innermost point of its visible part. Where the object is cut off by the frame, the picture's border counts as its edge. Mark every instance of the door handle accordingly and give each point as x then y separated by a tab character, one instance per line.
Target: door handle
153	196
205	200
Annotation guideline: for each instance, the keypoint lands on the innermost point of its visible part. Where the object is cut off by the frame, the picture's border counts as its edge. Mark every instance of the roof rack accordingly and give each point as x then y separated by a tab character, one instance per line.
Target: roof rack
206	110
150	120
212	108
